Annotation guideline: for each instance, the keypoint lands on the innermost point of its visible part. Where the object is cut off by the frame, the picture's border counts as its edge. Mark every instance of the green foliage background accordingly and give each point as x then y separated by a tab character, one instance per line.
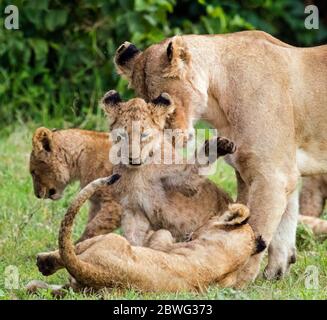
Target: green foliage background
59	63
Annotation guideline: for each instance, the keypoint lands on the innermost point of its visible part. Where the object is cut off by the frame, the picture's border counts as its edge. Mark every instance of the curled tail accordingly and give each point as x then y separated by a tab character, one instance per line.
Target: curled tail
317	225
85	273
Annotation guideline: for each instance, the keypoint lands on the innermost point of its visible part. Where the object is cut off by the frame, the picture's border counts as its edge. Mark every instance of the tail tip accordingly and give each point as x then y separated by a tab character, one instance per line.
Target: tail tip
260	244
113	178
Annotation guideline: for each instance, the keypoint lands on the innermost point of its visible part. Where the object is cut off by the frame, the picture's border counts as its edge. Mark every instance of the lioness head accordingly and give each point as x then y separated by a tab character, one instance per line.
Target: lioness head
165	67
49	171
136	127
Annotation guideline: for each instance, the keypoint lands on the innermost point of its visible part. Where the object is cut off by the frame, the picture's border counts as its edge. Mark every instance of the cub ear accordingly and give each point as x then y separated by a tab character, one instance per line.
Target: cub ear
42	140
111	99
237	214
178	57
125	58
164	102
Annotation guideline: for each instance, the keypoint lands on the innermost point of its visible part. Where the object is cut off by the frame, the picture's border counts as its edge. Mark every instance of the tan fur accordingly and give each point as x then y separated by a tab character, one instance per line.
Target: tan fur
62	156
268	97
318	226
313	195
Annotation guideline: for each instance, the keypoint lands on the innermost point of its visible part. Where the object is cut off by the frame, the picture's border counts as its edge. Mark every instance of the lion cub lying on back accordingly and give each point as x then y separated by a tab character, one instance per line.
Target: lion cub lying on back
217	249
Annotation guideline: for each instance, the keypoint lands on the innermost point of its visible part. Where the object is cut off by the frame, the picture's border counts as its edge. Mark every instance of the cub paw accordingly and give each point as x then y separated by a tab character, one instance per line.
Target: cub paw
222	145
225	146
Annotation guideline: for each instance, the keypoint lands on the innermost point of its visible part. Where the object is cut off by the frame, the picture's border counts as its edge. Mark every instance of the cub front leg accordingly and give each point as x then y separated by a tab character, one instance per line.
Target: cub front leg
135	226
106	220
185	178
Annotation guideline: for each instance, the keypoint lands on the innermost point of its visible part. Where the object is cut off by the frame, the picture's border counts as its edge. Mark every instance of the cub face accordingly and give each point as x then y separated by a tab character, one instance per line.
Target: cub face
137	126
49	171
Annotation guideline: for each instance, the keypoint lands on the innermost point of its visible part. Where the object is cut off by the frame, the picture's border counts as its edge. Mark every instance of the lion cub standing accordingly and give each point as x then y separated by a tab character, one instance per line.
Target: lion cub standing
60	157
154	195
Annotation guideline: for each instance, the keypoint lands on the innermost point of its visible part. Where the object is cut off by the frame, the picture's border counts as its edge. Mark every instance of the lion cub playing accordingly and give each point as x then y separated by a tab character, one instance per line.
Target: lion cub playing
155	195
60	157
217	249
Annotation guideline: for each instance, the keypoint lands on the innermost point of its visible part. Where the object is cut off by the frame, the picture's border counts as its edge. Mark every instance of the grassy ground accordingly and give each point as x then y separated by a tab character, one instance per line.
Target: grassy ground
29	226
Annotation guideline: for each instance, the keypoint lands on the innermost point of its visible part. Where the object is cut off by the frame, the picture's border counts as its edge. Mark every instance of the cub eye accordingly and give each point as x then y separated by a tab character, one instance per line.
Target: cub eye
120	136
33	172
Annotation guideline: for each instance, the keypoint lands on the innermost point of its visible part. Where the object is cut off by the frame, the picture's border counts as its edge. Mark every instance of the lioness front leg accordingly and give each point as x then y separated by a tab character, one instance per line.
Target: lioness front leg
106	220
267	202
282	249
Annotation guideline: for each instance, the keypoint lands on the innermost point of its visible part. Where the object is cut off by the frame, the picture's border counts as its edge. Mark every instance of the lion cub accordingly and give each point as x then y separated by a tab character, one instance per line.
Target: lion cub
60	157
216	251
148	188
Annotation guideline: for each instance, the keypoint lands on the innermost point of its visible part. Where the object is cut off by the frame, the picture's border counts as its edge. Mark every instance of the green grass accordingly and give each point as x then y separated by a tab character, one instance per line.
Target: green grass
29	226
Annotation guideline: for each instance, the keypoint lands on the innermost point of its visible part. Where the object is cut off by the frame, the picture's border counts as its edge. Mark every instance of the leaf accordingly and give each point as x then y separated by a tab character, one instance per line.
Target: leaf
40	48
55	19
38	4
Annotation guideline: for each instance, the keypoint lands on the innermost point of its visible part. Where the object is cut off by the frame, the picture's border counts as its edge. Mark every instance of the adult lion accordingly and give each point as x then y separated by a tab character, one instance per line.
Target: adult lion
268	97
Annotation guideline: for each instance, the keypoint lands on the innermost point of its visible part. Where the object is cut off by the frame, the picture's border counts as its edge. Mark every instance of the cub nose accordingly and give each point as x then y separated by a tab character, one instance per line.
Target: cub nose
133	161
52	192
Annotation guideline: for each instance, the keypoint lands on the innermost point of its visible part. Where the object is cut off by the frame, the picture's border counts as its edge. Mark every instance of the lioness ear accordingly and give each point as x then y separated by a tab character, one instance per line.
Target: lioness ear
164	104
237	214
178	57
125	58
42	140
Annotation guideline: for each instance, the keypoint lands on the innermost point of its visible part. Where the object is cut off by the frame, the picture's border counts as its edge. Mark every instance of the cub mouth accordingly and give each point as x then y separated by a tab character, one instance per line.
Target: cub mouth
53	194
135	164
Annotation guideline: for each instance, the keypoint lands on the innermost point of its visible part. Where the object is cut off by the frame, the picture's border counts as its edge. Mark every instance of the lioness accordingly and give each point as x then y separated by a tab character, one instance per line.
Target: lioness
268	97
60	157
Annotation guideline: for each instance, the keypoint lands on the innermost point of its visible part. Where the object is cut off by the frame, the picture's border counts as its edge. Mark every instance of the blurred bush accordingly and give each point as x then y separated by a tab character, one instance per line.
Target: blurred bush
59	63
